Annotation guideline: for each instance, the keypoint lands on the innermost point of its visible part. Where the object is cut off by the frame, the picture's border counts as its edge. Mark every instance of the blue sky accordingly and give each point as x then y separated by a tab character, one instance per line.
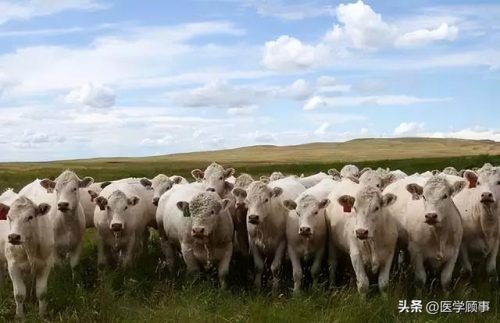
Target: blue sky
95	78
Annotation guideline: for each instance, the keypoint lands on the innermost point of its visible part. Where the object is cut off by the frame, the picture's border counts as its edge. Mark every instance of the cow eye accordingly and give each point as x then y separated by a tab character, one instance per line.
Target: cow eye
125	208
107	207
316	213
424	198
266	200
378	185
478	183
213	212
377	208
30	218
445	196
221	178
74	189
498	183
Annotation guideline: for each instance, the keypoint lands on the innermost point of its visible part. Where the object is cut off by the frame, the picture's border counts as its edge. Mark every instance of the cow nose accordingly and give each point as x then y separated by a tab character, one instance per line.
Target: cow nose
116	227
211	189
240	205
63	206
487	197
198	232
361	234
306	231
14	238
253	218
156	200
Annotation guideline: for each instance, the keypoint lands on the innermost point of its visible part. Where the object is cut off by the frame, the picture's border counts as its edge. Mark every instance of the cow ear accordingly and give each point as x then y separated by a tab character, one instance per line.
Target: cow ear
102	202
289	204
48	184
133	200
335	174
225	203
93	195
239	192
323	203
197	174
277	191
183	206
104	184
265	179
364	170
177	179
415	190
353	179
228	172
347	202
146	183
388	179
457	187
42	209
85	182
388	199
471	177
435	172
4	209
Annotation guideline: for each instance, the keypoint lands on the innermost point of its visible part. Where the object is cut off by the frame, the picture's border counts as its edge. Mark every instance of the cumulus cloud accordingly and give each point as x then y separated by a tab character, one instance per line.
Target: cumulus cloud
288	53
31	139
242	110
162	141
467	133
322	128
330	84
406	128
425	36
318	101
92	95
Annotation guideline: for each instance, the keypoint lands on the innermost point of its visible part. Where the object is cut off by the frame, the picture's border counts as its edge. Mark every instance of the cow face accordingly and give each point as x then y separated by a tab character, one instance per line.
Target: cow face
214	177
310	211
487	188
276	176
349	171
160	184
67	187
258	198
368	206
204	210
376	179
118	209
437	198
22	216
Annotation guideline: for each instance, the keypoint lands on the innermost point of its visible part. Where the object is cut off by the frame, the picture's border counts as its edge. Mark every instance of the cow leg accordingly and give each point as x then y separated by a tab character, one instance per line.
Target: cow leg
223	269
362	281
128	259
447	272
316	266
491	262
101	254
170	255
297	269
332	263
276	264
466	269
383	276
74	257
41	288
259	267
418	265
192	264
19	288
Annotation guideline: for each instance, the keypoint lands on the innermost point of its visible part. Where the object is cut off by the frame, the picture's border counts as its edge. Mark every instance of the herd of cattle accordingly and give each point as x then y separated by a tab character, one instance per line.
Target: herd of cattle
436	219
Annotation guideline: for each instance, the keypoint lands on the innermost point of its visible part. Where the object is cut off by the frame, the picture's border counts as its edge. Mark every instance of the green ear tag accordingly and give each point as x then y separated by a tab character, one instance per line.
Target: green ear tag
186	212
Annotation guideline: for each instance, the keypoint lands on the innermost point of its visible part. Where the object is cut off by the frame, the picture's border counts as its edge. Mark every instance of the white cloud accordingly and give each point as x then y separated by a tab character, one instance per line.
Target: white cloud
330	84
27	9
163	141
298	90
288	11
242	110
92	95
467	133
425	36
322	129
347	101
288	53
406	128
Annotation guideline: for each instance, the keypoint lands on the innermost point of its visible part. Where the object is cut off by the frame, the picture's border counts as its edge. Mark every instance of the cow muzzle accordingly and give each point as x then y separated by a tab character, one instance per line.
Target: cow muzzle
362	234
305	232
156	200
198	232
63	206
14	239
253	219
116	227
487	198
431	218
211	189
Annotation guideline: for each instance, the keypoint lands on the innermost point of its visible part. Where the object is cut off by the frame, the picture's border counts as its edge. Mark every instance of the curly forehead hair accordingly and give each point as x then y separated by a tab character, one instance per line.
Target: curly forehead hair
307	200
204	201
436	182
23	202
258	188
117	195
67	176
368	193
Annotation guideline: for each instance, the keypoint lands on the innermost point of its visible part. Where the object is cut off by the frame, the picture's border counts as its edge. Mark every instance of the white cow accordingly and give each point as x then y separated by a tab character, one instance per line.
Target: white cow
214	178
87	201
207	235
30	251
429	223
361	228
6	199
306	229
173	220
160	184
123	213
66	213
349	171
310	181
479	206
267	222
376	179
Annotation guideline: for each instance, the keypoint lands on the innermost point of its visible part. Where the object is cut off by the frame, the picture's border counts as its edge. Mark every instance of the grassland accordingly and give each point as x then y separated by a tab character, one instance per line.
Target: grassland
147	294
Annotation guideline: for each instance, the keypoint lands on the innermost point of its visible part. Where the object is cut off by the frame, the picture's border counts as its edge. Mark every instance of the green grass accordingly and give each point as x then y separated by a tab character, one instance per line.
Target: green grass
146	294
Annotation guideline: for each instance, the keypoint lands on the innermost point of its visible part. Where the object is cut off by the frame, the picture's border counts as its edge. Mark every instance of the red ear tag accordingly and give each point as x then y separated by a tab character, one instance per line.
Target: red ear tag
472	183
347	208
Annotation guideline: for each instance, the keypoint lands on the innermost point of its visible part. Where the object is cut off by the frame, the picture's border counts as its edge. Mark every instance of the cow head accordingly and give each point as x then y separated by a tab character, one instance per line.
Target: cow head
22	217
258	198
214	177
67	187
309	211
118	208
160	184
